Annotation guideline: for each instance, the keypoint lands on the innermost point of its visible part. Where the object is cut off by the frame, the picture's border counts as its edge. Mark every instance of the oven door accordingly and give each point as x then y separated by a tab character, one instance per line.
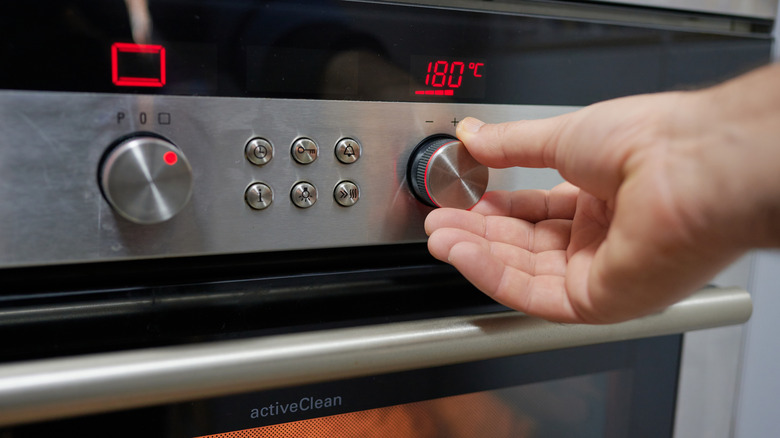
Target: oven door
403	344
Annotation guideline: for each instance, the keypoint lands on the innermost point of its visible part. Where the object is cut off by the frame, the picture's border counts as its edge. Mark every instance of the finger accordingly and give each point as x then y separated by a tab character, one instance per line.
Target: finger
526	143
552	262
531	205
544	296
498	228
552	234
442	240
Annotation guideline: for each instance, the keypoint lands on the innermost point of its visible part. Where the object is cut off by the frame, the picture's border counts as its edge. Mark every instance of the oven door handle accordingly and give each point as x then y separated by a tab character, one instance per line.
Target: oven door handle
62	387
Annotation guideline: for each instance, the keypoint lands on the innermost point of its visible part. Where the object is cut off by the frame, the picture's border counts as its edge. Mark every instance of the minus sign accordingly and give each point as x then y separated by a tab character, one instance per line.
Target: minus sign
429	121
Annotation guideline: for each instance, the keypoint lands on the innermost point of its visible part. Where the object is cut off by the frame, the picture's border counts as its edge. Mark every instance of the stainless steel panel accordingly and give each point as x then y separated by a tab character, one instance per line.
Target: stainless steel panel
52	210
64	387
719	16
749	8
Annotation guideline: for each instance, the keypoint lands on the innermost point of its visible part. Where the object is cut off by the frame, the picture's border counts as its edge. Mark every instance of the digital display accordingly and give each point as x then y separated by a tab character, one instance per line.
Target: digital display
360	51
137	65
457	77
169	68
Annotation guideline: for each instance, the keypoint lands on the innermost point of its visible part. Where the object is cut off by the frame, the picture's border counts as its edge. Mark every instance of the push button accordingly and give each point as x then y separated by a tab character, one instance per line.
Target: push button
259	196
346	193
304	194
304	150
348	150
259	151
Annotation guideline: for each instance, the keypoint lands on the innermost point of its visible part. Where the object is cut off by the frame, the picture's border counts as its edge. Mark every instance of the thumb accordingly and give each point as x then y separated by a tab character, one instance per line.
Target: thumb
525	143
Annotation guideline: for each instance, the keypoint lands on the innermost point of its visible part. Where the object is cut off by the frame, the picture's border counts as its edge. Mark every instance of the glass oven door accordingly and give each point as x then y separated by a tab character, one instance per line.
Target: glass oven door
620	389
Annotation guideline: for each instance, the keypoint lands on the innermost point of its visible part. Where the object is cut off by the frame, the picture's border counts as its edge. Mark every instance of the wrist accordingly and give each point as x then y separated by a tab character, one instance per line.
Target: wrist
739	146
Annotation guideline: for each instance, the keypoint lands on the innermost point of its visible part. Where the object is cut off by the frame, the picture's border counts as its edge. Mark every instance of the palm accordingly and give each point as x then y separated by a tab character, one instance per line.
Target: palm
529	250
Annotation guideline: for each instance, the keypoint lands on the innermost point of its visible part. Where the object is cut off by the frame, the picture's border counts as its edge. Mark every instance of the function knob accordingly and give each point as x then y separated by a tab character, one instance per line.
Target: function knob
442	173
146	179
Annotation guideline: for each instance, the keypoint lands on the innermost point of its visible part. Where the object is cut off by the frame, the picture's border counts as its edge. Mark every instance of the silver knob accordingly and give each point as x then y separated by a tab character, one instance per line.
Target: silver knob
146	179
443	174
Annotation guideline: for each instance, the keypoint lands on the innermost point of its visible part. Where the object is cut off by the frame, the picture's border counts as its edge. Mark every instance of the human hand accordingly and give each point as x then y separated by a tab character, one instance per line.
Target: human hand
661	195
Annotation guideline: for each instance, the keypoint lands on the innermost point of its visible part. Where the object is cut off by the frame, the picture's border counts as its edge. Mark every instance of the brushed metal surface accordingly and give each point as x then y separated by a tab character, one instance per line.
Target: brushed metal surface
142	183
749	8
719	16
305	150
58	388
51	144
259	151
259	196
346	193
348	150
446	175
304	195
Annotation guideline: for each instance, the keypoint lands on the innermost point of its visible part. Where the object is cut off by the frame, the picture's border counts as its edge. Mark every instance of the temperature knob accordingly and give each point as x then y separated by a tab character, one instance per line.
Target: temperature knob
146	179
443	174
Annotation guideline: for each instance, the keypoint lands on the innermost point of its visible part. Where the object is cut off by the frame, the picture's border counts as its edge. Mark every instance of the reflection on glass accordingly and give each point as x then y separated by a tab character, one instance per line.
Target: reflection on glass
595	405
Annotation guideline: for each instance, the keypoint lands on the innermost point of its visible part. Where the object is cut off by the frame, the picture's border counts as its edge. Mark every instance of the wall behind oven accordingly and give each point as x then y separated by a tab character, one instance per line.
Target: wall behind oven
759	392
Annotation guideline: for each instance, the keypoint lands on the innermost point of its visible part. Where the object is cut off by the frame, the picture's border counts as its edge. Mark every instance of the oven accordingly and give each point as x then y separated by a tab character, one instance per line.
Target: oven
209	224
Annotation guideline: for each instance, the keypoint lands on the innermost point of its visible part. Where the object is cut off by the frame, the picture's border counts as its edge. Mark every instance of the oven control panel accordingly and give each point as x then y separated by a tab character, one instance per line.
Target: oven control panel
93	177
259	151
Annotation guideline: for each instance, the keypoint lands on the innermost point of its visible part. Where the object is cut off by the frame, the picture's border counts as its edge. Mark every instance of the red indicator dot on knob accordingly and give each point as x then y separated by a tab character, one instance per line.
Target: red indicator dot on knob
170	158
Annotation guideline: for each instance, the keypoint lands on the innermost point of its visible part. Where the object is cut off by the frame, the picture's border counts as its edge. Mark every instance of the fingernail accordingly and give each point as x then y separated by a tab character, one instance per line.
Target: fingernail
470	124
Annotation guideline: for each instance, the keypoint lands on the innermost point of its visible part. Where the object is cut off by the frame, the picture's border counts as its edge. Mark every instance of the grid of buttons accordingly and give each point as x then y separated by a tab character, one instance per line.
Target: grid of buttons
303	194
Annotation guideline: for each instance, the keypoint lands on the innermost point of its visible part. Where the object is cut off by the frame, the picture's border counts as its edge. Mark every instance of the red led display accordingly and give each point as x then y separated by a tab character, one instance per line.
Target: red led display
137	65
449	77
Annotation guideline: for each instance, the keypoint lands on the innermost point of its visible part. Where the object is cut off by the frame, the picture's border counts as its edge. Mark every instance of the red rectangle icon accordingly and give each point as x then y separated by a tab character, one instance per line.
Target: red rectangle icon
137	65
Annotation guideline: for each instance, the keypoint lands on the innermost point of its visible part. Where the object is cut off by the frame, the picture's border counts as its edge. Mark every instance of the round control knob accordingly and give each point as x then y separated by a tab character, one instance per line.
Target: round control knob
146	179
443	174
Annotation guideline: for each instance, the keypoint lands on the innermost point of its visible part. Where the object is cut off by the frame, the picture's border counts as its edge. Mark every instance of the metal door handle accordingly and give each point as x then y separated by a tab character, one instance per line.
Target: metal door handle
61	387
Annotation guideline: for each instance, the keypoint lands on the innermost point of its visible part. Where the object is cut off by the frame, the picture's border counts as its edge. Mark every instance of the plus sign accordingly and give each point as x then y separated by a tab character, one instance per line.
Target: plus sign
455	121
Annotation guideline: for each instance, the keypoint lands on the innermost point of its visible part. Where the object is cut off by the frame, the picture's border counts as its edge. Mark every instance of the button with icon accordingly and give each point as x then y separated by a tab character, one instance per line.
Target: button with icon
303	194
259	151
304	150
346	193
259	196
348	150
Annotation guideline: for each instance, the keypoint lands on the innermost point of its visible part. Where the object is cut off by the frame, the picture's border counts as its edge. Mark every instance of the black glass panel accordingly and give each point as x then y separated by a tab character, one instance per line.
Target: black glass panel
350	50
623	389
